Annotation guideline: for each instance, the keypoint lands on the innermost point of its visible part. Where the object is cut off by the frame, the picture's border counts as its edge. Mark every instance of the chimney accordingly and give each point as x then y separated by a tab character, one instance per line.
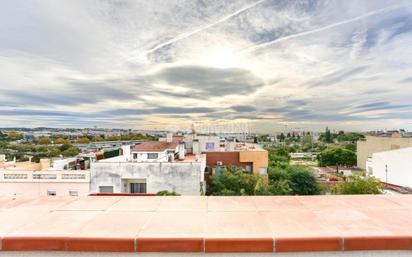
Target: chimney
181	151
169	137
196	147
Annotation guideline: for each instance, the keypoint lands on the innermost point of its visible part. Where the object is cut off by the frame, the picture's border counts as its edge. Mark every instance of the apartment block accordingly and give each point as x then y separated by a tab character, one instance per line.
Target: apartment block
380	143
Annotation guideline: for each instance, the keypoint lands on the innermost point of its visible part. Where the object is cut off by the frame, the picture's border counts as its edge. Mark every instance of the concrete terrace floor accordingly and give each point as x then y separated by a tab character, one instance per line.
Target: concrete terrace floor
207	224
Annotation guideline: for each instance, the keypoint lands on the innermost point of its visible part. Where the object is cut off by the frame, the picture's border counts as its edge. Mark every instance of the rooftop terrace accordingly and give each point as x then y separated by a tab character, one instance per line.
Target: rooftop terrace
207	224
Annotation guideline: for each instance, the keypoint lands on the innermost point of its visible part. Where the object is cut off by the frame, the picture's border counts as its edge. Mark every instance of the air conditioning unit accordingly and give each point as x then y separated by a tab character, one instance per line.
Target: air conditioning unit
219	163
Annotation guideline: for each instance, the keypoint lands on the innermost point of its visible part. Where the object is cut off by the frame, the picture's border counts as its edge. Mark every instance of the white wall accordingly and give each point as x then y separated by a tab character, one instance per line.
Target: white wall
142	157
181	177
203	140
399	163
36	183
40	189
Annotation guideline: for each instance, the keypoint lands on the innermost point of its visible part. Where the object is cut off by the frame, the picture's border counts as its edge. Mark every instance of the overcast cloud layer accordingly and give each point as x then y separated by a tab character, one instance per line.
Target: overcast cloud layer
136	64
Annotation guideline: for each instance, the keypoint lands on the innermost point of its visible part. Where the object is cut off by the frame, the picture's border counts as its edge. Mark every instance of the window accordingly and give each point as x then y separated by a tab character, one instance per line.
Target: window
138	188
210	146
248	168
263	171
152	155
135	156
73	193
106	189
51	192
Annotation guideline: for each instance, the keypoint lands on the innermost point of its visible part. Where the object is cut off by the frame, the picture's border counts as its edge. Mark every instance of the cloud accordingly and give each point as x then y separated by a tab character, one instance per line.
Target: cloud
338	76
243	108
131	63
407	80
209	81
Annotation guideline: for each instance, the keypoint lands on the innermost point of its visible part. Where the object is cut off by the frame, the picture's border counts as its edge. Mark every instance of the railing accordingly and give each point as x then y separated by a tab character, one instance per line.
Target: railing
45	176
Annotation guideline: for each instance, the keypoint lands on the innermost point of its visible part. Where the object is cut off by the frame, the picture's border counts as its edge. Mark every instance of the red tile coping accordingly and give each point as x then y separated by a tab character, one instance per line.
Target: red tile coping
34	243
169	245
308	244
287	224
378	243
101	244
216	245
207	245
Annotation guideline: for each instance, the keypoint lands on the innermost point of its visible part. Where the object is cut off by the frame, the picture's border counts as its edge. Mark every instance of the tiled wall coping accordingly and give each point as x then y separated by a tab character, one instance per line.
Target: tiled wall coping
207	245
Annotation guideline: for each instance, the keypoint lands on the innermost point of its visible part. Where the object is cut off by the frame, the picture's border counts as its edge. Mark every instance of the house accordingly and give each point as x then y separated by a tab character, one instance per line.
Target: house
149	168
234	155
392	167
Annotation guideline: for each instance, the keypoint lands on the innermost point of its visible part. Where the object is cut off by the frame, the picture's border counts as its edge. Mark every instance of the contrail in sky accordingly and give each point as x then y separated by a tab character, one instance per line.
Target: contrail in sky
266	44
188	34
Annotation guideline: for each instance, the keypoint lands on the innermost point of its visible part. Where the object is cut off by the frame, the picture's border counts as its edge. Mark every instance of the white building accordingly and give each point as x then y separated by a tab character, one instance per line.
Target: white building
392	167
149	168
57	178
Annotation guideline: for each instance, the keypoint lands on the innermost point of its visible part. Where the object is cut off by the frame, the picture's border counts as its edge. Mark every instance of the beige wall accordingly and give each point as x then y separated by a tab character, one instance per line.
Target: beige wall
374	144
258	158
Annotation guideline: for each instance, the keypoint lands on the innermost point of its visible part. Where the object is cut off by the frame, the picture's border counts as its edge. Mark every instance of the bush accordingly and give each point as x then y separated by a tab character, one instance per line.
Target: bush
237	182
358	185
167	193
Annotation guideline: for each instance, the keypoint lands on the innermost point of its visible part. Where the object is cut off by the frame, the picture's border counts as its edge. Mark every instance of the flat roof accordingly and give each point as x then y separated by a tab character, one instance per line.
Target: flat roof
207	224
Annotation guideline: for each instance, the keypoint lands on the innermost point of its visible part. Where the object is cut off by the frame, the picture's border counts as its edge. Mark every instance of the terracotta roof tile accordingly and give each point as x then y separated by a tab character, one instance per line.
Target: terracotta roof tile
154	146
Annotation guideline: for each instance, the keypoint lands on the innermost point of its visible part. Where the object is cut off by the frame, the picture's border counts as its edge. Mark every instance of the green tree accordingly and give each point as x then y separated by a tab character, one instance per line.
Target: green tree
306	142
55	152
351	137
64	147
328	136
278	156
44	140
302	181
237	183
71	152
358	185
293	180
83	140
281	137
61	141
337	156
14	135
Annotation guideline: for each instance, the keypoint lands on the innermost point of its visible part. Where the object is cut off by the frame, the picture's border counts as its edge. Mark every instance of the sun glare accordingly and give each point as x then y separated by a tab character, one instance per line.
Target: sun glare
223	59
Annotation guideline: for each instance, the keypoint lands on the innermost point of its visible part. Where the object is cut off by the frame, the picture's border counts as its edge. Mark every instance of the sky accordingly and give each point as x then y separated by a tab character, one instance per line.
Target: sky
264	65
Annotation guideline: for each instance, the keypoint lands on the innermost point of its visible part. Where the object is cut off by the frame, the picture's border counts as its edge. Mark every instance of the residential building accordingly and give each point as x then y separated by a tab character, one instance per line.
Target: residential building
380	142
392	167
247	156
231	154
59	177
149	168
